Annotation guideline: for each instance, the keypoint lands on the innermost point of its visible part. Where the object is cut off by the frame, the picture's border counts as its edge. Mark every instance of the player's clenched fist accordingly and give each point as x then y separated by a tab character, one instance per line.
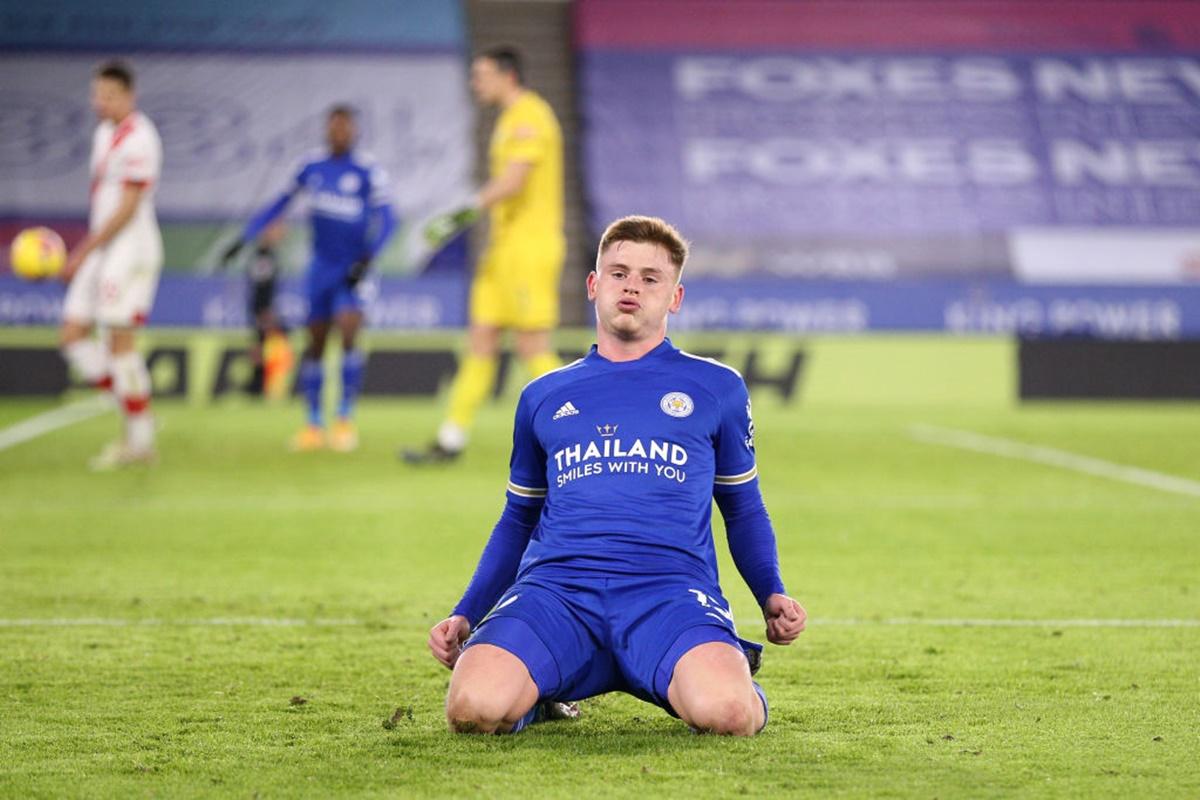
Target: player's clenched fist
785	619
447	637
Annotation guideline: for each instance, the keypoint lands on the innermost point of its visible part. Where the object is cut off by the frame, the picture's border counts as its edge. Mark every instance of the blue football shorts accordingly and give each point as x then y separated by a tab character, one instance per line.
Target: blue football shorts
328	294
588	635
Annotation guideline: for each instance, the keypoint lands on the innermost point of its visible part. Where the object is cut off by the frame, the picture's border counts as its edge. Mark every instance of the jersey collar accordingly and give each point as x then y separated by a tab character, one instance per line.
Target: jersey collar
664	348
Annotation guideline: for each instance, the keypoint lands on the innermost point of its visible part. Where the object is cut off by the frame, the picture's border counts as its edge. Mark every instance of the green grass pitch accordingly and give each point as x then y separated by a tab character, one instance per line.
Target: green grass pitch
891	543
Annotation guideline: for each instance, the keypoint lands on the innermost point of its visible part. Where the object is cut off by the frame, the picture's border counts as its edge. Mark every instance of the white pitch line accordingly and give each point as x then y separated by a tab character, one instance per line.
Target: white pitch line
296	622
1011	623
216	622
52	420
1009	448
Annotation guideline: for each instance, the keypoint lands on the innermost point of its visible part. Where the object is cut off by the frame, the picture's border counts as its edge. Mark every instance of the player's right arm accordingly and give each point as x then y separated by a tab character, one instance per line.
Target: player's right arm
496	571
447	637
131	195
137	166
265	217
501	558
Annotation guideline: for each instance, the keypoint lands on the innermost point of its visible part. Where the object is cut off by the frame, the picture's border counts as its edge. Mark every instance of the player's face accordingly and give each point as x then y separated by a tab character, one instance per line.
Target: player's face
110	99
487	81
340	133
634	287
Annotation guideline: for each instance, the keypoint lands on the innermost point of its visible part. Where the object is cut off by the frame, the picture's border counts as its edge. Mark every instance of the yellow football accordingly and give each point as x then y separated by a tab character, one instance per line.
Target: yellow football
37	253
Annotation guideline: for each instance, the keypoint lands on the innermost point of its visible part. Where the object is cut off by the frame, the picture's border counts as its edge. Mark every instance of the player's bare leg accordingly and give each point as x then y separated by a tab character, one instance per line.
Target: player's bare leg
86	354
490	691
343	437
131	385
318	333
535	352
711	690
475	379
312	375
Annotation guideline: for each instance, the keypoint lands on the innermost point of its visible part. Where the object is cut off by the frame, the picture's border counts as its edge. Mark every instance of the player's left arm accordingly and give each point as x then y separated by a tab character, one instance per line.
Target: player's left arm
747	524
131	195
381	224
752	545
525	147
507	184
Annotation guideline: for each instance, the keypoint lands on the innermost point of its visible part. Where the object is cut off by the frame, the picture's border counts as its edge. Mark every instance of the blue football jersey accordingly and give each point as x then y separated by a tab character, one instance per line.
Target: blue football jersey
342	190
349	209
627	456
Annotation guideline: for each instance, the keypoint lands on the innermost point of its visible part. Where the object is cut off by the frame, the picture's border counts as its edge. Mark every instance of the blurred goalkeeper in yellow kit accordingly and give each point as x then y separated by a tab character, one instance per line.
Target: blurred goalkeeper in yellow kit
516	280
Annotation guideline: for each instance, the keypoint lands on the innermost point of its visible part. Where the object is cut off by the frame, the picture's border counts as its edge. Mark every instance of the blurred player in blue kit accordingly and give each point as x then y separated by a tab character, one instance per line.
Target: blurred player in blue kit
601	574
351	220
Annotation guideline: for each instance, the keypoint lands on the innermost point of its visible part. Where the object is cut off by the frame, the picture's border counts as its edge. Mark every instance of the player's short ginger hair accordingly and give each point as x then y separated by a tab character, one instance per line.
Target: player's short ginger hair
650	230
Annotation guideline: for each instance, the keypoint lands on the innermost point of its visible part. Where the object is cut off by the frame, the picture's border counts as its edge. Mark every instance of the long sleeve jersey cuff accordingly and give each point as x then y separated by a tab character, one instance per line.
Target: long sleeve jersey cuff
752	541
501	558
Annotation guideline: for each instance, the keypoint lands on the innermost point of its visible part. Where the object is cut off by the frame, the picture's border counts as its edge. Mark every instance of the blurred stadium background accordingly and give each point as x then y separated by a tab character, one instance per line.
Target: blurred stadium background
1016	169
932	235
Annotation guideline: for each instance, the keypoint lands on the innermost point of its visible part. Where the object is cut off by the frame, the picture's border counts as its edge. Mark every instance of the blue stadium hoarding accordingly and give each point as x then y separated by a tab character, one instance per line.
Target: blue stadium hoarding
970	167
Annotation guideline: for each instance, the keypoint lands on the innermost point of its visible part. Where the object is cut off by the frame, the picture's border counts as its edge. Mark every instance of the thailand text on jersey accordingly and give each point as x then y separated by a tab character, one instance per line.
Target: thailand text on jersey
627	456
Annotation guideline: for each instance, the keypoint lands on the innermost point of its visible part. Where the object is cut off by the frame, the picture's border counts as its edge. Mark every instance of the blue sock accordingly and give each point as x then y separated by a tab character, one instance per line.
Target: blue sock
352	377
766	708
526	720
312	375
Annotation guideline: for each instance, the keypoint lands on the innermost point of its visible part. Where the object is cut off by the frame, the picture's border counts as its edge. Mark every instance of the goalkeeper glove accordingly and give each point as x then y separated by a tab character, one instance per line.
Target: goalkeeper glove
439	229
357	271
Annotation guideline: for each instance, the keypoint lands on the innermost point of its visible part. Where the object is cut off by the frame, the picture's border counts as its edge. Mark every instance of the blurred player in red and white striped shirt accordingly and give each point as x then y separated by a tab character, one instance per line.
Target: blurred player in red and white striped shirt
113	271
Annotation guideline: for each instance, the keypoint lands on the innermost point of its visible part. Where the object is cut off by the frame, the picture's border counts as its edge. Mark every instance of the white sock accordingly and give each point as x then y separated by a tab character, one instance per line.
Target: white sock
451	437
131	384
89	359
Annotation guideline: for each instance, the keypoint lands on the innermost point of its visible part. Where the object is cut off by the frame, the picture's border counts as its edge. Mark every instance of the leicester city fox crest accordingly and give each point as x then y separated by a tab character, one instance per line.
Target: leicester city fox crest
676	404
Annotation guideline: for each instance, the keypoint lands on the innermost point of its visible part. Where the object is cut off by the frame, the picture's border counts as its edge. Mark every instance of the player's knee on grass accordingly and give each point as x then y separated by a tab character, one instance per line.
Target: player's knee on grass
469	710
711	690
490	691
725	715
479	709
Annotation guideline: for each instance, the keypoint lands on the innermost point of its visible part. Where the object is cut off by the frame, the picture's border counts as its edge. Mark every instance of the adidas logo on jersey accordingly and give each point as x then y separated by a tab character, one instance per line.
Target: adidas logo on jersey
566	410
